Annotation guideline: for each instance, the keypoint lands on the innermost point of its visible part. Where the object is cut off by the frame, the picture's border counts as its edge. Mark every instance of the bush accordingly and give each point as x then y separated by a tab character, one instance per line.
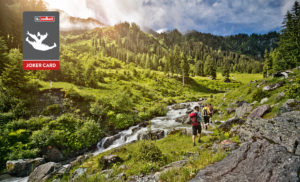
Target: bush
259	94
158	109
149	152
6	117
54	109
90	133
123	121
293	91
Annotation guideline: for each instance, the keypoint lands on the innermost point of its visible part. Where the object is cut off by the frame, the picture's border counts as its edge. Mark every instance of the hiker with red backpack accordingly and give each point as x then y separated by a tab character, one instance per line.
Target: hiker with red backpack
196	118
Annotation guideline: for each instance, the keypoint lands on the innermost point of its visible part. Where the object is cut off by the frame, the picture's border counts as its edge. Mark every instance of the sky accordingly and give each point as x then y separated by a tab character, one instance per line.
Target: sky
219	17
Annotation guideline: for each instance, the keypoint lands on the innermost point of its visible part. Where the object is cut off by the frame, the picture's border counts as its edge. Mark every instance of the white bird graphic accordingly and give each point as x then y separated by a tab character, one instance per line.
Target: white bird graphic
37	44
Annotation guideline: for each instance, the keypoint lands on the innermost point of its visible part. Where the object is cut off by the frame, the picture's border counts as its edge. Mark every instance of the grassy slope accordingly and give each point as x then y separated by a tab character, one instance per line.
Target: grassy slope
250	93
174	147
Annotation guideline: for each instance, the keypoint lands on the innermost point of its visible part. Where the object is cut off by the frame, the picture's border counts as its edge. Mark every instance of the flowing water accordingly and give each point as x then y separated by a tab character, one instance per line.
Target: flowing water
165	123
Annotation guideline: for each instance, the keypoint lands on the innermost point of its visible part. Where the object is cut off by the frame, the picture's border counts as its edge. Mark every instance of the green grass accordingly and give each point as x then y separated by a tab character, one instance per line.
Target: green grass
174	147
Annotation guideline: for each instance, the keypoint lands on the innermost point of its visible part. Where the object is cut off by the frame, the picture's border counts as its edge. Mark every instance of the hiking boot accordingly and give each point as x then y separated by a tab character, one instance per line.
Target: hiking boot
199	141
194	144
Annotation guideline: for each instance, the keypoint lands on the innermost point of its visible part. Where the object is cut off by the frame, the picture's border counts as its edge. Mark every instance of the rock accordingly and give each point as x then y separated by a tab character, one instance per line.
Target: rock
155	177
64	169
283	130
110	140
23	167
180	106
226	126
259	111
143	124
123	167
254	161
230	110
201	99
43	172
177	130
78	173
228	145
239	103
107	161
281	74
241	111
120	177
280	95
289	105
107	173
264	100
54	154
154	135
78	160
182	119
272	87
189	111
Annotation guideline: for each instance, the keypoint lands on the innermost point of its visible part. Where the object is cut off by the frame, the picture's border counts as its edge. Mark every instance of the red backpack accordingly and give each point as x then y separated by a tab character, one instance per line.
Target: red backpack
194	119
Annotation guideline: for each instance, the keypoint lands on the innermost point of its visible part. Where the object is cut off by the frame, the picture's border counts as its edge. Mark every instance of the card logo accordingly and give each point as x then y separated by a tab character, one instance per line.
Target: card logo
40	40
44	19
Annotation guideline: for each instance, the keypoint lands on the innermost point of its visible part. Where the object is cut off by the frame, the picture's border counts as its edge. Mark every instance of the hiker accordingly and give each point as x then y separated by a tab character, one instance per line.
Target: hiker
211	112
196	118
205	113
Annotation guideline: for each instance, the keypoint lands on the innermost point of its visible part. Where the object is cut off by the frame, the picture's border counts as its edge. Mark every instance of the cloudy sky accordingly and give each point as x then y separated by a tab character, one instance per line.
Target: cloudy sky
221	17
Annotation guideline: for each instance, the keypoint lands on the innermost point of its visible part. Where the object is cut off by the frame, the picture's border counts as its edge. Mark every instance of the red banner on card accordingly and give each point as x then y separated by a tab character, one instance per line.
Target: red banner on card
41	65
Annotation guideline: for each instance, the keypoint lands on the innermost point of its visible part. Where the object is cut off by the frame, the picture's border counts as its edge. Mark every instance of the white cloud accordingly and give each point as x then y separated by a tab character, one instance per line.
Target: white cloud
216	16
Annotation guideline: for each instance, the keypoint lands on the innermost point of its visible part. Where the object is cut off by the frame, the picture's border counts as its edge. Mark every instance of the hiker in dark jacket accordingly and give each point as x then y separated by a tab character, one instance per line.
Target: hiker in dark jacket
211	112
196	119
205	114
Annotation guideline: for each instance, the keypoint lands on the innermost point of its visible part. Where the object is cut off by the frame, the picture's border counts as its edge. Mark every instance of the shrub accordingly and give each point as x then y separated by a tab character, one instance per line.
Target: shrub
259	94
158	109
293	91
54	109
90	133
123	121
149	152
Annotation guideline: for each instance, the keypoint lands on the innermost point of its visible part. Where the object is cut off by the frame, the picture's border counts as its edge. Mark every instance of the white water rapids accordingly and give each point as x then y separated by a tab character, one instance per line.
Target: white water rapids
165	123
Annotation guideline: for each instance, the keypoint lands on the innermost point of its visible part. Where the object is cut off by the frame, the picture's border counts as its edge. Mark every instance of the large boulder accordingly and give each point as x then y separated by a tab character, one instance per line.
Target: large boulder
270	152
154	135
43	172
253	161
259	111
289	105
272	87
107	161
283	130
241	111
281	74
54	154
226	126
23	167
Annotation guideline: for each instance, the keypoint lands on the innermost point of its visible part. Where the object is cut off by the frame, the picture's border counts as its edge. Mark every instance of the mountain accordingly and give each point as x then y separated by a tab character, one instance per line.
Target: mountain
252	45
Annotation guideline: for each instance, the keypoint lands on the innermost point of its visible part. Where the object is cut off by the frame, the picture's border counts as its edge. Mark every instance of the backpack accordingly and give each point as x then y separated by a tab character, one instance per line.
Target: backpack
195	121
205	112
